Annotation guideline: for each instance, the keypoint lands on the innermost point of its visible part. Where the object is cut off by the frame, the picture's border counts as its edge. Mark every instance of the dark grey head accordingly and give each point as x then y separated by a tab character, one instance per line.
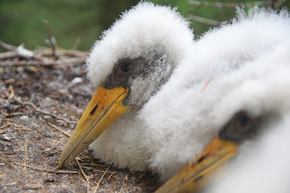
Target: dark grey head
242	127
141	74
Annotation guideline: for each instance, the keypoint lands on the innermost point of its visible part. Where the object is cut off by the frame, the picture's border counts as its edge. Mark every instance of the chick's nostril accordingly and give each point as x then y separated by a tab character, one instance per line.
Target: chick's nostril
94	109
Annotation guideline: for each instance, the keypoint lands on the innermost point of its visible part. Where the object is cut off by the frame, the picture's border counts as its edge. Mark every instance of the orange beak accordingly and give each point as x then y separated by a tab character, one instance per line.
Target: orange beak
104	108
193	177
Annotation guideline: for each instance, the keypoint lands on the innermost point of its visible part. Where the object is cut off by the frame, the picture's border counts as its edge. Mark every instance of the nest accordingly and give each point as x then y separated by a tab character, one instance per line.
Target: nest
42	96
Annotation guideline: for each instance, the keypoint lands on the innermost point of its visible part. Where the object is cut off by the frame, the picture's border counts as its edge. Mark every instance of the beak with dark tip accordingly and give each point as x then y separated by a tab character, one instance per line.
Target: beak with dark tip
104	108
194	176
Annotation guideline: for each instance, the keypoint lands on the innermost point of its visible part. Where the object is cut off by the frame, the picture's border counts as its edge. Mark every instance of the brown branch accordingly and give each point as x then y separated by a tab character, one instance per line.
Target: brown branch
98	184
19	52
15	151
45	62
25	154
77	43
4	126
42	111
73	53
231	5
57	143
277	3
12	93
46	170
82	171
39	58
123	182
111	175
51	38
204	20
19	127
25	63
7	46
46	52
8	55
55	127
88	186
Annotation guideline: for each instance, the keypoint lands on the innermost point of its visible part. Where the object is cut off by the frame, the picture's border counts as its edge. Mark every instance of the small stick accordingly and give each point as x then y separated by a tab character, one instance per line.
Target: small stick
51	38
55	127
25	154
101	171
50	171
82	171
7	46
13	114
12	95
277	3
88	186
10	80
23	128
19	127
8	55
93	164
231	5
204	20
77	43
4	126
42	111
116	177
58	142
123	182
141	176
97	186
62	122
27	63
18	149
44	62
111	175
84	174
85	156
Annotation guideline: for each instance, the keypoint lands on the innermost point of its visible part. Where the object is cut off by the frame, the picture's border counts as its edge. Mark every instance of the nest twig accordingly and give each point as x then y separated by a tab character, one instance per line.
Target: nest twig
20	56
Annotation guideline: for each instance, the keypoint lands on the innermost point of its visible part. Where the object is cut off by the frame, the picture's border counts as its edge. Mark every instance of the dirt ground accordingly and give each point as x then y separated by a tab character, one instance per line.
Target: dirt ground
42	96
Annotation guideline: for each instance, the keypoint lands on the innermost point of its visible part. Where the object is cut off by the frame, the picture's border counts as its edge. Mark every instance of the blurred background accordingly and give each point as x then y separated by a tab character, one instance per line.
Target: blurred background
76	24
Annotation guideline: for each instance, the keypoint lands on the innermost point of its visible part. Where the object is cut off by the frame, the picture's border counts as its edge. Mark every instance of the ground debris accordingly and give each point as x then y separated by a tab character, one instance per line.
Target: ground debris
41	100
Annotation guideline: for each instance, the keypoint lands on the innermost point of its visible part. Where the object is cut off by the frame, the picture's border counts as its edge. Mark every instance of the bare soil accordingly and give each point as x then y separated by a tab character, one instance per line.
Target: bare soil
41	99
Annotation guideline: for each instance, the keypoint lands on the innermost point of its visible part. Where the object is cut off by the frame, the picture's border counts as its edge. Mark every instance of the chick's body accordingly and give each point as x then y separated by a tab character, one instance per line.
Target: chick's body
181	92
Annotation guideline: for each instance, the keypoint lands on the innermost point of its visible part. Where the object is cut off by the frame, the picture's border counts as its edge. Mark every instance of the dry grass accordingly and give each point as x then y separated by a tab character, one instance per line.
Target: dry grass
39	108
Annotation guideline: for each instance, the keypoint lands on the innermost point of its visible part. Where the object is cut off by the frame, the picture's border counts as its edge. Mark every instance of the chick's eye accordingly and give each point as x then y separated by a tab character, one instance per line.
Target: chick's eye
242	123
126	66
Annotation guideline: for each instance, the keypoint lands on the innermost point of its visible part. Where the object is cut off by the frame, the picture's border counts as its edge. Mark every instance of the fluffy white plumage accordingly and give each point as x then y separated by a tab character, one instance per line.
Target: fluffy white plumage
262	166
247	64
143	29
240	66
146	30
